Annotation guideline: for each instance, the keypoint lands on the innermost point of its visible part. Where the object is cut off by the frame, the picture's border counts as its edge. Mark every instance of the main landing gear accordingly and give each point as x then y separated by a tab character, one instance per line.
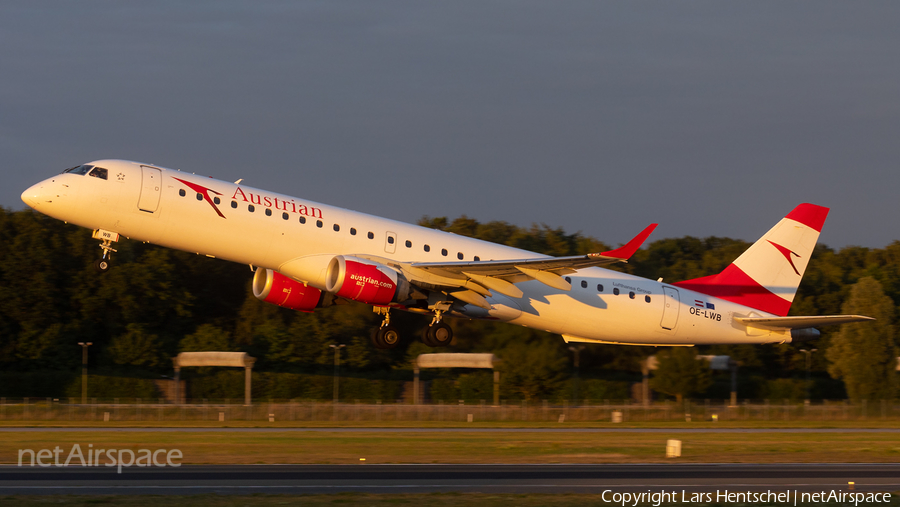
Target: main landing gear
387	336
437	334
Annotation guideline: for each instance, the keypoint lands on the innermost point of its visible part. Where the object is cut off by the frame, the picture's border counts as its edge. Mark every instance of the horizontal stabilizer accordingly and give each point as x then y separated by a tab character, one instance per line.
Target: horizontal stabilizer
800	322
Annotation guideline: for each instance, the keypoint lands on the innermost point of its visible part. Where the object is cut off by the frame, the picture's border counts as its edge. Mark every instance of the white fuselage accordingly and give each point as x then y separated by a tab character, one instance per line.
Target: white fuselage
602	306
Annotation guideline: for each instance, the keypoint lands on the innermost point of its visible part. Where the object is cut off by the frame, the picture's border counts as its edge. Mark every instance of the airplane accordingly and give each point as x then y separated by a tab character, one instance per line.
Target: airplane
306	255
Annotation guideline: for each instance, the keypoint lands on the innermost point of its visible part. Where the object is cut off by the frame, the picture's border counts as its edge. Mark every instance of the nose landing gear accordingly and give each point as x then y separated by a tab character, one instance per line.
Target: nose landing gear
107	237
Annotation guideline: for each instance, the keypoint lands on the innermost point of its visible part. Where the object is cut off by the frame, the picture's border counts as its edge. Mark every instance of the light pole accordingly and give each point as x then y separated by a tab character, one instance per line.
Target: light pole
576	349
337	367
84	348
808	365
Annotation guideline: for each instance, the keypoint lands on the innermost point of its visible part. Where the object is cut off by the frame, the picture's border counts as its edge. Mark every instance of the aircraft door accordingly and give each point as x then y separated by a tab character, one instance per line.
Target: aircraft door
151	185
671	308
390	242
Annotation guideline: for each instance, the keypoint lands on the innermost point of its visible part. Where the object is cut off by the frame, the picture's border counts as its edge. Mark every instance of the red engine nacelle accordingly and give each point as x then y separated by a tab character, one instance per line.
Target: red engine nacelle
273	287
365	281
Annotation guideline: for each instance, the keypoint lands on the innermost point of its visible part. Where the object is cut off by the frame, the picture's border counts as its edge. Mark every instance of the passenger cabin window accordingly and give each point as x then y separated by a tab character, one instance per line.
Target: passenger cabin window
477	258
182	193
427	248
250	208
647	298
302	220
631	295
444	252
408	244
99	172
319	224
459	255
79	169
337	228
569	279
599	287
584	284
199	196
233	204
284	216
391	240
268	211
352	231
217	200
371	235
616	292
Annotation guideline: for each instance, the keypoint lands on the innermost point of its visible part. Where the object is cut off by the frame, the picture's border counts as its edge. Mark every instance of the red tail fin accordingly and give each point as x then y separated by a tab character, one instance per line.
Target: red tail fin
767	274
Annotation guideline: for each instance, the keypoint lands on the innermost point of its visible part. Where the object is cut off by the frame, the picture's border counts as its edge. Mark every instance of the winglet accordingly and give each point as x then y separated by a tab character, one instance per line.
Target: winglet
627	250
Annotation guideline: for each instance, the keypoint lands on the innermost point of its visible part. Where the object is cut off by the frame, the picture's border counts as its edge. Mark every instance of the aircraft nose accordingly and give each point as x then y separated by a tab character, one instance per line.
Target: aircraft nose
31	196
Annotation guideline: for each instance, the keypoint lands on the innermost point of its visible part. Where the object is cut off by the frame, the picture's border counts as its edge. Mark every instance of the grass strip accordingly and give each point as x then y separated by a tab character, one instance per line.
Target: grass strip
296	446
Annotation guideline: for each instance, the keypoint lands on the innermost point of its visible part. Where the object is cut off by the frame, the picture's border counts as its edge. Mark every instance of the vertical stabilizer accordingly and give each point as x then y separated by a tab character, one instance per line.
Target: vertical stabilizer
767	274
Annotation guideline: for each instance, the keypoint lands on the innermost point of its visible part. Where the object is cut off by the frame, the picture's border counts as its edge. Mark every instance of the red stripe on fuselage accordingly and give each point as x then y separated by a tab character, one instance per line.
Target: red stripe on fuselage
734	285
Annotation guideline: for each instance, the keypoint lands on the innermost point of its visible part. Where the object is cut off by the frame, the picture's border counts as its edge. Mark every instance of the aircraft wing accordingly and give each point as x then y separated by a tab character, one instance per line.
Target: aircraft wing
511	267
480	277
800	322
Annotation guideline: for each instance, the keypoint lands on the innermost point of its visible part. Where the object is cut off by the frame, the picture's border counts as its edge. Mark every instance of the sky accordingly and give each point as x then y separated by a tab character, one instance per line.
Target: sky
711	118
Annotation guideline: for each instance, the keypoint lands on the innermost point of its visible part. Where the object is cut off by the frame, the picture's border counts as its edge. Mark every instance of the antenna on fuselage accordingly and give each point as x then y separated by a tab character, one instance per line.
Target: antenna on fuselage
238	182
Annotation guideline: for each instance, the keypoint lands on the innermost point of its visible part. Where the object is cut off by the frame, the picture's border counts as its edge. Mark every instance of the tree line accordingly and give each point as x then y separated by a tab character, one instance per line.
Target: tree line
156	302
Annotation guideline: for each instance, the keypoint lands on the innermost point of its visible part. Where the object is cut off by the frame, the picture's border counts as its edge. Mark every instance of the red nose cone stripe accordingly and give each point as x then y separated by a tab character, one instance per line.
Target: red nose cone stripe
734	285
810	215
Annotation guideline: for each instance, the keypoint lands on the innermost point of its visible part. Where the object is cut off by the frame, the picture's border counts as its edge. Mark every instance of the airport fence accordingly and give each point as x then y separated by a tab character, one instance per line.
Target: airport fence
138	410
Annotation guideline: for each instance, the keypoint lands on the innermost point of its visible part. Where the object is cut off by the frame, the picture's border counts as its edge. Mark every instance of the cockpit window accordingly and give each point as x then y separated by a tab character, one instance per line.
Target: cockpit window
81	169
99	172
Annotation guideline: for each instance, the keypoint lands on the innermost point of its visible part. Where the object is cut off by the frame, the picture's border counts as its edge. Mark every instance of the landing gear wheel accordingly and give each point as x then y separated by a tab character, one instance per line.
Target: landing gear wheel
386	337
102	265
438	335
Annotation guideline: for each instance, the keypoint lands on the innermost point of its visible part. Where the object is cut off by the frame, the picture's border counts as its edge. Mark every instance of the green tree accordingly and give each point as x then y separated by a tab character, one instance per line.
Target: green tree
680	373
137	347
863	354
207	338
532	369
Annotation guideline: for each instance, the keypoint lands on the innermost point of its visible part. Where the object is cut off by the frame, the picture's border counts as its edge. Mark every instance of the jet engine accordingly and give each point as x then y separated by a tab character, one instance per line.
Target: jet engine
273	287
366	281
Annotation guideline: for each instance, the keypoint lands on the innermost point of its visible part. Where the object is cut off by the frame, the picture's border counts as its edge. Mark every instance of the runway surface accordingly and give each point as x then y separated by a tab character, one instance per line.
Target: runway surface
455	430
316	479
